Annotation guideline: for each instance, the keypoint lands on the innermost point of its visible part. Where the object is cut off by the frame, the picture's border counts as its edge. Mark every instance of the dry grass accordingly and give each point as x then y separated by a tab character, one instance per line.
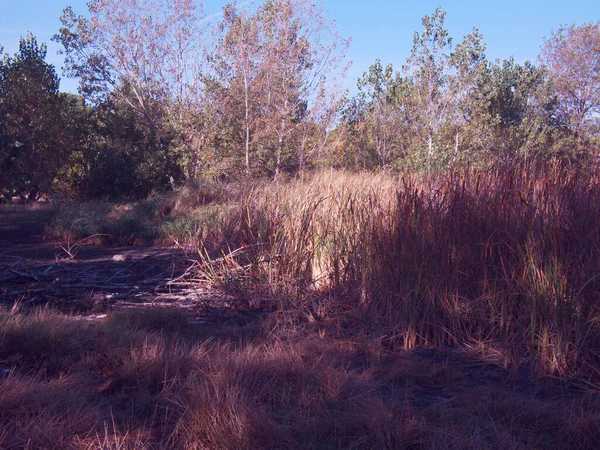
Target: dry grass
369	274
507	261
283	387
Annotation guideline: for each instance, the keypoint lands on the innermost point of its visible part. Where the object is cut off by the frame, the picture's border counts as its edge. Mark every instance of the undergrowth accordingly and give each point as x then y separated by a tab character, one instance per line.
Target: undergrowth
506	260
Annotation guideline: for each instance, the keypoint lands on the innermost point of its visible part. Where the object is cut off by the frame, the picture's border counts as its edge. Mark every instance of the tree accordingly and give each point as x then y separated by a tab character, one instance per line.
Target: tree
469	65
572	57
238	85
305	66
30	116
378	95
78	139
427	65
279	70
521	116
149	53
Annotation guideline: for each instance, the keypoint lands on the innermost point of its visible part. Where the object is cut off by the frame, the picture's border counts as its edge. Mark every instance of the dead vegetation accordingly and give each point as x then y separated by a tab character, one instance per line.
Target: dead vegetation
153	379
506	261
67	281
454	310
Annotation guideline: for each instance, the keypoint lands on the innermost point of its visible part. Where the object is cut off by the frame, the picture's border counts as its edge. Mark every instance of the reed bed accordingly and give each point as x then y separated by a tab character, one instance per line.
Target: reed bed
505	261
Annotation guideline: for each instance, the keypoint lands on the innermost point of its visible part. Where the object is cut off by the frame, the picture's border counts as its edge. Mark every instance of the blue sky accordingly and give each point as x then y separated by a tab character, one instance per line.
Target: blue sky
379	28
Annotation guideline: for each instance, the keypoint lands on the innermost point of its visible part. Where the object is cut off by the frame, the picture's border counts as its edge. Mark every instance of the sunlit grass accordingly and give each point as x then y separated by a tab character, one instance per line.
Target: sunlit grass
506	260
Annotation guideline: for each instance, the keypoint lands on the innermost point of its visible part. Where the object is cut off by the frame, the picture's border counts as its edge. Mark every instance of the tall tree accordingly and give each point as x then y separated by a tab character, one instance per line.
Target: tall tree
378	92
469	67
239	86
29	112
305	64
149	53
428	65
572	57
280	70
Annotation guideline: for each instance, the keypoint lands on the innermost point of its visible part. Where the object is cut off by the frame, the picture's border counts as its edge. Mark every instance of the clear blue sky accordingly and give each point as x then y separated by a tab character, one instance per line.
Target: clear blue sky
379	28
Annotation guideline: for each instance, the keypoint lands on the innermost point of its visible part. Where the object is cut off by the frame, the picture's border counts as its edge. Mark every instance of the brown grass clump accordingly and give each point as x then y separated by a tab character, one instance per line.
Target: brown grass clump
505	260
42	340
53	414
283	386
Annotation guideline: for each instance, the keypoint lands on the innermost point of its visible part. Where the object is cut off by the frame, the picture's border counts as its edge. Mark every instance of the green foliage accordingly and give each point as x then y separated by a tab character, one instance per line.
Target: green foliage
107	223
127	161
521	111
451	107
261	102
113	154
30	118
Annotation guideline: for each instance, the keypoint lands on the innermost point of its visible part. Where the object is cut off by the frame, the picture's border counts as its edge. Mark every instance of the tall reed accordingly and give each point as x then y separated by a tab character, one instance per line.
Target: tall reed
507	260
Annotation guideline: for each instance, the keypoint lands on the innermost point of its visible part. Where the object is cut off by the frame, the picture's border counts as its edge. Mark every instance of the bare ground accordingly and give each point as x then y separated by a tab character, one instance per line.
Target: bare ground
84	278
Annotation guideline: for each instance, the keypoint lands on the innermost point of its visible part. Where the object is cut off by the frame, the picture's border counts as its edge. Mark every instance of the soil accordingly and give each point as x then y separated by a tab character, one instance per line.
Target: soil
22	236
21	232
85	278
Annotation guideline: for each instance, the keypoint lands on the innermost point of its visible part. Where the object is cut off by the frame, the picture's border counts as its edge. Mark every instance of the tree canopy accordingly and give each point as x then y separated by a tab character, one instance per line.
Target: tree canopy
168	94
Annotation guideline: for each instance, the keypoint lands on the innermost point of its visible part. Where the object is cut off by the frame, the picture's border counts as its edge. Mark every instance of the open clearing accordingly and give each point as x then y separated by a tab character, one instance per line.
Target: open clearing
200	371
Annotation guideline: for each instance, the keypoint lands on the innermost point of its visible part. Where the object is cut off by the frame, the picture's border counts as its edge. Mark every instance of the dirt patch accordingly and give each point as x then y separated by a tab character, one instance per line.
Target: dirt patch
21	234
80	277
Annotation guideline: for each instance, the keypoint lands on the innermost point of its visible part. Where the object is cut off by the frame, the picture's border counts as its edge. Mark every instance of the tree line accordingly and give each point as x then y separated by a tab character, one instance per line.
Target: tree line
167	94
450	105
